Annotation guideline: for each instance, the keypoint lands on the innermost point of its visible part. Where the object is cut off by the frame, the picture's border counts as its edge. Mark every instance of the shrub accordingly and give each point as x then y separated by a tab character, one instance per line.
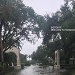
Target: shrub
67	66
1	68
22	65
27	63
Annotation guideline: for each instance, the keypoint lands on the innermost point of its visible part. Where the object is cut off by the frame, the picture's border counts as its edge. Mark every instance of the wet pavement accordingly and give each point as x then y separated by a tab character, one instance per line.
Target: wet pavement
36	70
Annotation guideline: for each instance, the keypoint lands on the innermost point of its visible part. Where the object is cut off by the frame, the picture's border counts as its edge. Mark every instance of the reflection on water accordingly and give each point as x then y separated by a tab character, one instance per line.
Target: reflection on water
36	70
57	72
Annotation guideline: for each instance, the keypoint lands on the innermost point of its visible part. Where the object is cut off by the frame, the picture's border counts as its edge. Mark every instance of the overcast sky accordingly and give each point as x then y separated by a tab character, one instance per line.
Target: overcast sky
41	7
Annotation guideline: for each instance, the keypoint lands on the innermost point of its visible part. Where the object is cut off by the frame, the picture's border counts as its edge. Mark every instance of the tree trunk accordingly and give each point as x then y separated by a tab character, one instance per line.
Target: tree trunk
66	60
1	46
68	55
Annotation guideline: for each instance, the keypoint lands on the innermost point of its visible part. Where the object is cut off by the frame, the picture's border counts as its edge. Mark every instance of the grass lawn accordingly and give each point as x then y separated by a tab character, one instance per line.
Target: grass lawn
72	72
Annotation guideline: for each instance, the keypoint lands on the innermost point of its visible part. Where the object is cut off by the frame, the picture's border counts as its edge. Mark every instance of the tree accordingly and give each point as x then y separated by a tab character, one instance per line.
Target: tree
66	19
23	58
40	55
68	22
17	22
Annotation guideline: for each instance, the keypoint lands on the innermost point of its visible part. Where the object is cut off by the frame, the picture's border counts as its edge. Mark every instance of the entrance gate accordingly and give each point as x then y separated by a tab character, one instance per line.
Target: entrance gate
17	52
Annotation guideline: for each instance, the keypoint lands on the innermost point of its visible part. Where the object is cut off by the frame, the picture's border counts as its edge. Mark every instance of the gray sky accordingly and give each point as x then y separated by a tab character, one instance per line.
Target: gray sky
41	7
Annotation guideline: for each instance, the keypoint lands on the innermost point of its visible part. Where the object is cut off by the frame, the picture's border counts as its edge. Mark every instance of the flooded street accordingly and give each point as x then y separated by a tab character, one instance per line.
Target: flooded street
36	70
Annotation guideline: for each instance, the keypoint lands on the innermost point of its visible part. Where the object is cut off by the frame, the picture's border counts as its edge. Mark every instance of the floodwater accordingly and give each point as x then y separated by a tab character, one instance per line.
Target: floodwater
36	70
